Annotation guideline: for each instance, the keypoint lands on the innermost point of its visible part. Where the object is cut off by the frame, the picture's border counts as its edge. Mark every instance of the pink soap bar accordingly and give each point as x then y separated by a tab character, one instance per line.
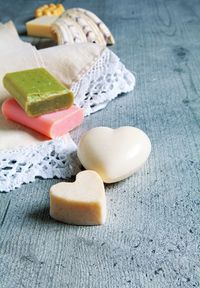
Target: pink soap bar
52	125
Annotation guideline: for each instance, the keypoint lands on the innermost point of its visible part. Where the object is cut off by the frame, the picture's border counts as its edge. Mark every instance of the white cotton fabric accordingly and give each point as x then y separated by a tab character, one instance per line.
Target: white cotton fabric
95	75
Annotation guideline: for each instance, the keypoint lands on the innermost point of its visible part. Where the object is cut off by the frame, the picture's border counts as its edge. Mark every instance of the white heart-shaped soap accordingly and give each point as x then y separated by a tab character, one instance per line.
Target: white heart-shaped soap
82	202
114	154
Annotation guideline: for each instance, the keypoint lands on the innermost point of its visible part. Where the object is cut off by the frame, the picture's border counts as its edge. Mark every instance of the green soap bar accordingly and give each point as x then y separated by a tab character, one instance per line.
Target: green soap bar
37	91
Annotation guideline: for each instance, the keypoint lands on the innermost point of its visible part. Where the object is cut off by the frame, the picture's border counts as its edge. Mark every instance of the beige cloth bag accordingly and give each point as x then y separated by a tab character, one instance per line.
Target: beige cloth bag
66	62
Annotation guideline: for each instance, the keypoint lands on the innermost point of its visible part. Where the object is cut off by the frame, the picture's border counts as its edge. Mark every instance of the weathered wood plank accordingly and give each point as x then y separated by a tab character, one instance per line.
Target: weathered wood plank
4	204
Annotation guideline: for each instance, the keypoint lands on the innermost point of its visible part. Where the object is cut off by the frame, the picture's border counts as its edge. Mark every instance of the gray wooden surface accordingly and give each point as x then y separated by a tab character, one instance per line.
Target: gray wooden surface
152	234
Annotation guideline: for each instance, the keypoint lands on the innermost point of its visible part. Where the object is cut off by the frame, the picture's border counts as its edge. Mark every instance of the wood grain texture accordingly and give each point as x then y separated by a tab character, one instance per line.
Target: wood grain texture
152	234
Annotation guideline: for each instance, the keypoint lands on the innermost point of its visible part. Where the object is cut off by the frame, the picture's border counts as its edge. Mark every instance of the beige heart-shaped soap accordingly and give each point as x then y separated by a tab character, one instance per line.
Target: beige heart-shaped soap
82	202
114	154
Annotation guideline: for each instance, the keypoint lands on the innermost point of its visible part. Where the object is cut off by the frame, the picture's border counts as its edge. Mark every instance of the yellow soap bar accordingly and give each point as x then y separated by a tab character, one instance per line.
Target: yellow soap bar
51	9
41	27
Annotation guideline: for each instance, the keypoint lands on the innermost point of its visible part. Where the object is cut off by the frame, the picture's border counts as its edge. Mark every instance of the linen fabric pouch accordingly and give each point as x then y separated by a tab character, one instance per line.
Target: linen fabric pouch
93	73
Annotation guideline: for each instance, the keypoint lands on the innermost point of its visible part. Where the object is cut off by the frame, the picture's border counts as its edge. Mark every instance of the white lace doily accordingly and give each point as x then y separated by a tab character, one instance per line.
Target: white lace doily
50	159
104	81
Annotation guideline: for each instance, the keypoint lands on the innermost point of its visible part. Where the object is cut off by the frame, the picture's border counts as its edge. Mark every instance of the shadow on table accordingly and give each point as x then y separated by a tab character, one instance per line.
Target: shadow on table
41	215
